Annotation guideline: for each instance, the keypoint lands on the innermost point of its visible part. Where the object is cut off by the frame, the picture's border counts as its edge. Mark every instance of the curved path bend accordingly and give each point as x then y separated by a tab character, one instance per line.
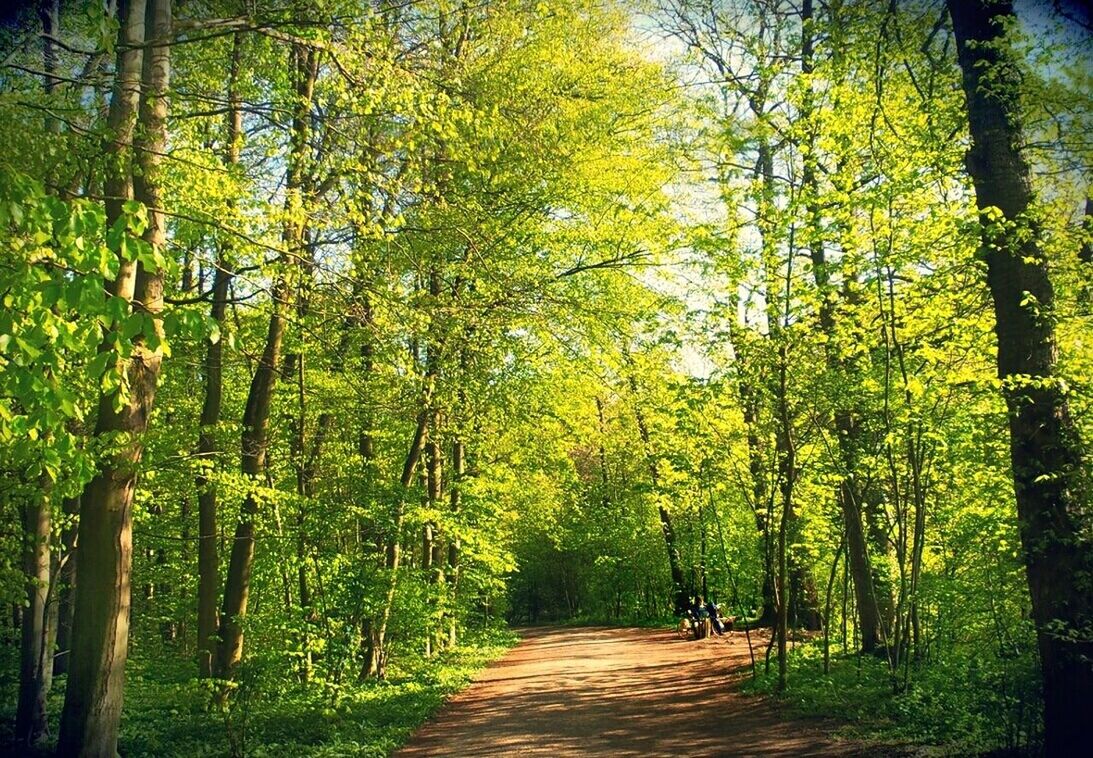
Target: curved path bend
619	692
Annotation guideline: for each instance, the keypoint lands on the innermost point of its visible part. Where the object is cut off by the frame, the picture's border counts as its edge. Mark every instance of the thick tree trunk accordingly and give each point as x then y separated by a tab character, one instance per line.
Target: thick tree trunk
49	644
260	397
100	635
1052	496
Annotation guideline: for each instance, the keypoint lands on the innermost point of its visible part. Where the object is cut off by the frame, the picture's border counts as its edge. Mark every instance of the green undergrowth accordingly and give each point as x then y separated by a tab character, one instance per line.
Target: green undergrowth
968	704
643	622
168	713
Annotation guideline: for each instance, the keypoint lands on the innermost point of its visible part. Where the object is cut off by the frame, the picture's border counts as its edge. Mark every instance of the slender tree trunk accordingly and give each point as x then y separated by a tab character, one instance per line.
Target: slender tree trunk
66	590
702	554
760	496
376	654
100	634
432	558
34	683
605	496
208	447
679	586
849	496
1085	256
367	449
827	602
787	477
798	583
763	496
366	444
304	465
30	721
459	470
294	366
49	12
303	487
49	644
1049	480
848	493
305	62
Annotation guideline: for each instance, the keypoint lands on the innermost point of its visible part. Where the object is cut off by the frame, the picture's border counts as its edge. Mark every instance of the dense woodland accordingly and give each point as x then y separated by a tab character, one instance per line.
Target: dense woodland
337	335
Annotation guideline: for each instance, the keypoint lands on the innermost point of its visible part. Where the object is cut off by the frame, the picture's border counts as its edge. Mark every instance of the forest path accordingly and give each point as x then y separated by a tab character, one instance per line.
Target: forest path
611	692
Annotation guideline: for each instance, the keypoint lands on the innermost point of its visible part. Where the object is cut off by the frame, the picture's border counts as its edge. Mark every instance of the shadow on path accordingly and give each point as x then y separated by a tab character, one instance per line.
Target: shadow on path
618	692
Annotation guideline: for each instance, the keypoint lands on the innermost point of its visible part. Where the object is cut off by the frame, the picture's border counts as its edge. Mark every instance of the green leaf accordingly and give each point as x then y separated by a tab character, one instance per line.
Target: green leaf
98	364
133	325
108	263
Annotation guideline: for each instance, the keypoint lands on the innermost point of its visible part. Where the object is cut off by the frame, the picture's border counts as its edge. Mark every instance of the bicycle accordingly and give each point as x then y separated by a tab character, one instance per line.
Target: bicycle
689	626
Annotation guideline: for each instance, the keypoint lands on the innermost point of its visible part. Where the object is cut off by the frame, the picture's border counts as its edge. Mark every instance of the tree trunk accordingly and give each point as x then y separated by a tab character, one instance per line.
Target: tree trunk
306	471
376	654
366	444
848	494
208	448
861	574
458	472
30	720
34	679
256	415
605	497
702	554
1052	498
432	556
679	587
787	477
100	635
760	496
66	590
1085	255
303	482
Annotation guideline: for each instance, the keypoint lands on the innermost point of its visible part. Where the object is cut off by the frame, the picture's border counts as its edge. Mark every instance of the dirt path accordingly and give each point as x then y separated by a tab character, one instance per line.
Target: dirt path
612	692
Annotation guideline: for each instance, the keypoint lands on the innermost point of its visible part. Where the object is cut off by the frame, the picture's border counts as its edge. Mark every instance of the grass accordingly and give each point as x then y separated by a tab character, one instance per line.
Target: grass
968	704
167	712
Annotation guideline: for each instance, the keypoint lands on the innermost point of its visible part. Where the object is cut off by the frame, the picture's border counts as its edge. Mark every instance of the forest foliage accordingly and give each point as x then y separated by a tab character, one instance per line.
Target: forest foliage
336	335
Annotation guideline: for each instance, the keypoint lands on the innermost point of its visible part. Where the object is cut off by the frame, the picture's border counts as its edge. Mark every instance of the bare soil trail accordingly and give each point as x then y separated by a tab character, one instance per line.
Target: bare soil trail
620	692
